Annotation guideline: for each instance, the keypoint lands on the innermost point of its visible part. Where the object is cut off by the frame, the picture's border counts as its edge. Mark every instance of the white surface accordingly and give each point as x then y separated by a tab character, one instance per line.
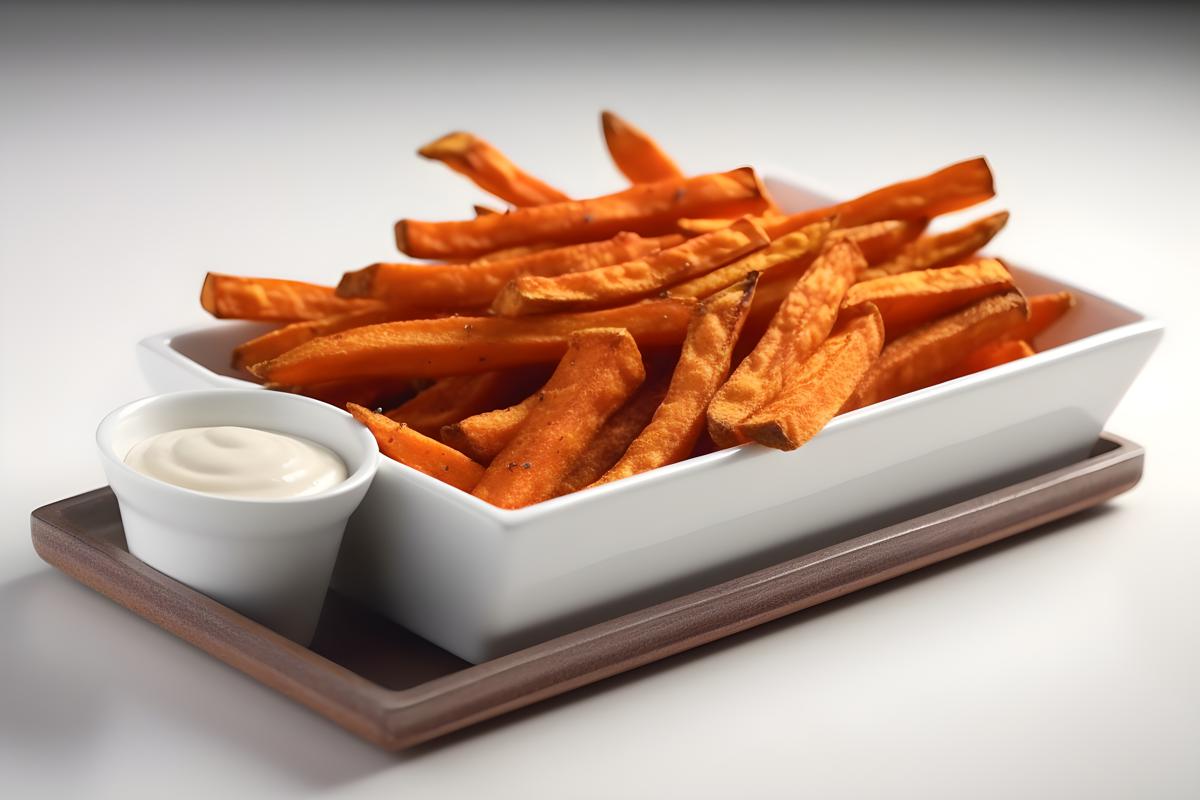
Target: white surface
508	579
140	148
270	559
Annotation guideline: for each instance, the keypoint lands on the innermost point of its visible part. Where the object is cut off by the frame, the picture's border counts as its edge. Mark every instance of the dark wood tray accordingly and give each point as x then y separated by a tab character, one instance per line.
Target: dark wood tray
385	684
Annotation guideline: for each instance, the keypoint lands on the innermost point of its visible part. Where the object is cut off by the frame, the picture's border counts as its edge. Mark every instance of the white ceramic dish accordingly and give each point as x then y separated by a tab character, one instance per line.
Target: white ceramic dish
480	581
269	559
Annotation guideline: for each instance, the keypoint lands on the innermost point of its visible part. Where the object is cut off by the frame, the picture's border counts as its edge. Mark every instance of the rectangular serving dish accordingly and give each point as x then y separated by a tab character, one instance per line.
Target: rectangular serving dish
480	581
383	683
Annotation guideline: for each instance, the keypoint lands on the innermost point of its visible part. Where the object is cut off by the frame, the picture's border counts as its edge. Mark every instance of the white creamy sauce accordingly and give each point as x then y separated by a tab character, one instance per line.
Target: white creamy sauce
238	462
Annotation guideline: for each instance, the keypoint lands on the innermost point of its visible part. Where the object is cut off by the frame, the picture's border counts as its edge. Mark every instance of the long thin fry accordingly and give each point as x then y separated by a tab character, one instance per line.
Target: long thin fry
941	249
703	366
456	397
802	322
372	392
279	341
398	441
472	287
794	248
1044	311
639	157
816	390
490	169
883	240
991	355
273	299
482	436
433	348
922	357
601	369
632	280
649	209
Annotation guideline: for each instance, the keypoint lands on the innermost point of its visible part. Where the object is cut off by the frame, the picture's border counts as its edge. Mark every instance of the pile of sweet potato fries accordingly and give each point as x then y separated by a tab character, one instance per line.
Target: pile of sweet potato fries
565	343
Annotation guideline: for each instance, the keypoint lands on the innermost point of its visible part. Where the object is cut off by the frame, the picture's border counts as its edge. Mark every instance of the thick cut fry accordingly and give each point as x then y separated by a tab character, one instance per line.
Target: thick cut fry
490	170
273	299
398	441
601	369
941	249
924	356
1044	311
433	348
279	341
914	298
702	368
802	322
473	287
456	397
816	390
795	248
639	157
880	241
483	436
649	209
633	280
991	355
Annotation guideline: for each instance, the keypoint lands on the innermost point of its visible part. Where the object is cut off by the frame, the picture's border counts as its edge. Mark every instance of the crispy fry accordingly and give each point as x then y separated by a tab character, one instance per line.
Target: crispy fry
702	368
883	240
483	211
633	280
601	369
991	355
910	299
1044	311
402	443
922	357
639	157
482	436
941	249
813	393
432	348
802	322
472	287
649	209
490	169
273	299
451	399
279	341
372	393
796	248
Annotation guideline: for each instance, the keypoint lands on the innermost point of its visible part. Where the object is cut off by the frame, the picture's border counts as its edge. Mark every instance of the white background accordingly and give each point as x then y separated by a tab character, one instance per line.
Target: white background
140	147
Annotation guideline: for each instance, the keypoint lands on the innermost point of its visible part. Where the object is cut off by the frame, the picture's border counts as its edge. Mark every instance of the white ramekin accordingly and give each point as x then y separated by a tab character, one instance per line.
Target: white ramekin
269	559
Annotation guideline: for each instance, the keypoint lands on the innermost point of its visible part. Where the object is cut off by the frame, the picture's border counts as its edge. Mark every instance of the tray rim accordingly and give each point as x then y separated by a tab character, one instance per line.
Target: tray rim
398	718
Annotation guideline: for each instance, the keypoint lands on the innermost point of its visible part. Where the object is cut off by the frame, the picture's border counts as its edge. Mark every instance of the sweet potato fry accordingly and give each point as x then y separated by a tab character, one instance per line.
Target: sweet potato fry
639	157
991	355
482	436
1044	311
798	327
941	249
490	170
398	441
273	299
372	393
433	348
601	369
883	240
910	299
649	209
472	287
922	357
816	390
795	248
279	341
483	211
456	397
702	368
632	280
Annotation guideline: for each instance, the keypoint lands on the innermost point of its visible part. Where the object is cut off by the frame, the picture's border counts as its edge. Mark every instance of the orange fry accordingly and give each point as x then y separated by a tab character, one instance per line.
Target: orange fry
649	209
483	211
483	436
432	348
991	355
702	368
598	373
633	280
883	240
639	157
490	169
472	287
279	341
273	299
402	443
1044	311
920	358
813	394
803	320
941	249
914	298
371	393
456	397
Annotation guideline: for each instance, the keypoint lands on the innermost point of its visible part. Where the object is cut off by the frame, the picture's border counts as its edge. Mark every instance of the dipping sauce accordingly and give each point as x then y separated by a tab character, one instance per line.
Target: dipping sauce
238	462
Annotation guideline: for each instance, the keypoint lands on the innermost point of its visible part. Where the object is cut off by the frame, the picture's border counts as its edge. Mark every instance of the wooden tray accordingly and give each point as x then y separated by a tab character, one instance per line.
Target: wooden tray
385	684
